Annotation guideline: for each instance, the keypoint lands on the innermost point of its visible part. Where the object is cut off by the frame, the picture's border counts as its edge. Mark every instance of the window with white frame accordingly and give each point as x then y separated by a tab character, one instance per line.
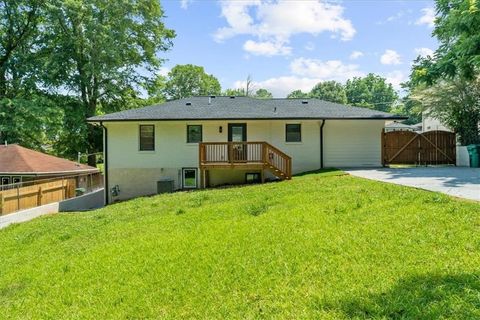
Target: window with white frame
189	177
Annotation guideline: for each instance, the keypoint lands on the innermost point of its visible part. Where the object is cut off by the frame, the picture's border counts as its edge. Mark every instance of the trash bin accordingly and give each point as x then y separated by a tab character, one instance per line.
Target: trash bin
165	185
474	155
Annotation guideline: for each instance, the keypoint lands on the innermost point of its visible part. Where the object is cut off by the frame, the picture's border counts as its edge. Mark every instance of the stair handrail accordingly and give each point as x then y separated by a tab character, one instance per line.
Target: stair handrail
288	160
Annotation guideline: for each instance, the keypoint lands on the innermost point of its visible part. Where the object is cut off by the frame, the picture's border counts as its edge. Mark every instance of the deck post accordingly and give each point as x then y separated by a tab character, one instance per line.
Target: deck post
1	203
202	177
383	147
230	153
39	196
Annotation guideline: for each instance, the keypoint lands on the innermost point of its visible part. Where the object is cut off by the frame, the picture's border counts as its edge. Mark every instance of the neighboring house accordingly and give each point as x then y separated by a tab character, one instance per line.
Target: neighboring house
418	127
398	126
210	141
19	164
430	123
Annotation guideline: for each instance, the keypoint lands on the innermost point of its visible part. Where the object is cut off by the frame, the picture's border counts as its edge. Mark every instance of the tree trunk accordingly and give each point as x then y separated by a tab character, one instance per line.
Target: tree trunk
3	83
92	133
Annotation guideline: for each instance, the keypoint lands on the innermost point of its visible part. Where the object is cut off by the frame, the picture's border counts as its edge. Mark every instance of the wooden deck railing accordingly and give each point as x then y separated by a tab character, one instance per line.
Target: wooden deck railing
234	153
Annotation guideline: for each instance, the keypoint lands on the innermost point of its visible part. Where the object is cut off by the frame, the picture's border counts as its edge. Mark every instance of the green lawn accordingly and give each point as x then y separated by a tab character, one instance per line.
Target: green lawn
323	245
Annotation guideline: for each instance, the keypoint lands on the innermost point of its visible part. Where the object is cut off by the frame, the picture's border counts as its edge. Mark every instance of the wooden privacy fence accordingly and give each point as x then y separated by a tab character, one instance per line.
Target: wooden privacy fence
29	194
427	148
19	198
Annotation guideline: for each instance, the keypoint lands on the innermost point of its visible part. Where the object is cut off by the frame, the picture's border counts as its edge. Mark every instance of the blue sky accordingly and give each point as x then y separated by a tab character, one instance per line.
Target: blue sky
292	44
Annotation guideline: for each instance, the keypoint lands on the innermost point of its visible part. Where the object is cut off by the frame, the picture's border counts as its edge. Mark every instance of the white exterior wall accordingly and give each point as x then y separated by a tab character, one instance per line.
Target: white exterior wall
346	143
353	143
431	124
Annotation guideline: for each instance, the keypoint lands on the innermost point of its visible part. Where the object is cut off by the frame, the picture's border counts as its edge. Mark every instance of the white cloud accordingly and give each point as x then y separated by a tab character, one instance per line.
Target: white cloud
185	3
324	70
310	46
396	78
390	57
356	54
164	71
266	48
427	18
277	21
305	73
280	87
424	52
395	17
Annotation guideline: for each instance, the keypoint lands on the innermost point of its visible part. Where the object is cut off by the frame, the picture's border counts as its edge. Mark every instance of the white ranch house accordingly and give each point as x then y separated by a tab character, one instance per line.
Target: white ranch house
211	141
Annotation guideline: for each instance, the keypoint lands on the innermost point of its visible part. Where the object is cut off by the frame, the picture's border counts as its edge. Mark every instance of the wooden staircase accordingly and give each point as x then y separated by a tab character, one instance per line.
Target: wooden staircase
245	155
277	162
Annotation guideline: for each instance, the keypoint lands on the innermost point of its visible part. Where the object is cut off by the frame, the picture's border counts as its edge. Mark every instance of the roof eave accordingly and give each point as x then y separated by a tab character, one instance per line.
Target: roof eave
43	173
233	119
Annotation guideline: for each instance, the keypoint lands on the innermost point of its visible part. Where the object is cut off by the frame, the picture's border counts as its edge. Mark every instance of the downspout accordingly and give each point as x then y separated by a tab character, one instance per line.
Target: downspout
105	161
321	144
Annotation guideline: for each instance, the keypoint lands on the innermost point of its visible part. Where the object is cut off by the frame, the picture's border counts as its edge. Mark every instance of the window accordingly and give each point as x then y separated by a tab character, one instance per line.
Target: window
147	138
253	177
5	180
189	178
194	133
16	179
293	133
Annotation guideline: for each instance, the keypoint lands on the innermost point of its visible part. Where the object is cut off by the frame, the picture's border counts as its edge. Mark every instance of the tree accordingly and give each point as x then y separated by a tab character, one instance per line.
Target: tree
242	92
371	92
18	30
189	80
235	92
406	106
31	119
447	84
455	103
22	106
332	91
97	50
456	28
263	94
296	94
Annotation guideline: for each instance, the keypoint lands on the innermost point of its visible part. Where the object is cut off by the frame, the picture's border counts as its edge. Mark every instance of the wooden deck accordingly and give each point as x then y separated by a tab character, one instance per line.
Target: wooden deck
244	155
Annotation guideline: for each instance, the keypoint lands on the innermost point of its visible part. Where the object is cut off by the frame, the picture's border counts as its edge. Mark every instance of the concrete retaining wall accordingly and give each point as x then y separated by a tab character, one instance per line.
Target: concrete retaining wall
90	201
93	200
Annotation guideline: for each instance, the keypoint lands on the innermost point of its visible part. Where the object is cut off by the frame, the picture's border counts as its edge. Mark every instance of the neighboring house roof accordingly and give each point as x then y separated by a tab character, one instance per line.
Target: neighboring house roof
398	125
15	159
245	108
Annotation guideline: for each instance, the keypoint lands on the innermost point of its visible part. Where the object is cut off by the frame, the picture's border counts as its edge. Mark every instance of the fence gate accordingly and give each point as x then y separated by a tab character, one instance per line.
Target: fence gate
428	148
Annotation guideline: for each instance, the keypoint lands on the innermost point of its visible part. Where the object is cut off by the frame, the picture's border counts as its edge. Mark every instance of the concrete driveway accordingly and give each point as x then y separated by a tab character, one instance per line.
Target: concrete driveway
455	181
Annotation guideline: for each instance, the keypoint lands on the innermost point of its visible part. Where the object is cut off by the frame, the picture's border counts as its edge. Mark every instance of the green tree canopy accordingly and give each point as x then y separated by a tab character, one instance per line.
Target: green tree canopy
455	103
239	92
62	61
371	92
332	91
190	80
297	94
263	94
457	30
447	84
25	112
97	49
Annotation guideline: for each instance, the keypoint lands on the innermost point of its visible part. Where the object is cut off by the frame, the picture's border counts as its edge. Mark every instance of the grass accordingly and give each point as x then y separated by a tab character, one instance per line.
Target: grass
323	245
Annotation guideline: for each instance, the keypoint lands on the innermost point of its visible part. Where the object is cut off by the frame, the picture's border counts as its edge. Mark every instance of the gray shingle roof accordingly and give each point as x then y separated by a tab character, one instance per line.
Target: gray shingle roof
399	125
244	108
